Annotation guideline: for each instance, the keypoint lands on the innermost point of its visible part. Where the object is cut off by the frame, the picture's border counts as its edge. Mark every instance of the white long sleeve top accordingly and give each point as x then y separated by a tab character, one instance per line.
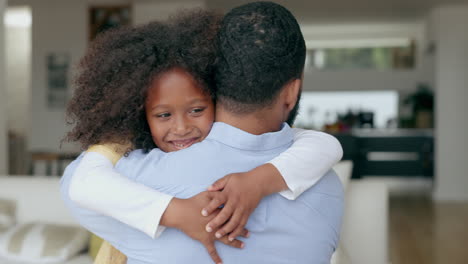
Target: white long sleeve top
97	186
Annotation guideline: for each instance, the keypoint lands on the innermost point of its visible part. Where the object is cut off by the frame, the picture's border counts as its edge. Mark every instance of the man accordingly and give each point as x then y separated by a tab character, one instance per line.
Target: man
259	74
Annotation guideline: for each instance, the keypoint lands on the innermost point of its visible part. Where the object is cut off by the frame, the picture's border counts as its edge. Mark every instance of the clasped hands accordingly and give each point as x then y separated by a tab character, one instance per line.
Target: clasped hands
220	213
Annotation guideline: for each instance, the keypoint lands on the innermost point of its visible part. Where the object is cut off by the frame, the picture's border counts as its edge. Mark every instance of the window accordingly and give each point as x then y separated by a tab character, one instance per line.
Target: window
379	54
317	109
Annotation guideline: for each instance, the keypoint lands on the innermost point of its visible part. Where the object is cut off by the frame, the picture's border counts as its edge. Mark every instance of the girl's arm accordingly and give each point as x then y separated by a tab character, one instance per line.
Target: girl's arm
294	171
97	186
312	154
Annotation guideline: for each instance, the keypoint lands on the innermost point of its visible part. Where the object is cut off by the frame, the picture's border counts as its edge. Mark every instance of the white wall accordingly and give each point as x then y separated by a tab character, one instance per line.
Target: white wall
58	26
450	27
3	113
18	75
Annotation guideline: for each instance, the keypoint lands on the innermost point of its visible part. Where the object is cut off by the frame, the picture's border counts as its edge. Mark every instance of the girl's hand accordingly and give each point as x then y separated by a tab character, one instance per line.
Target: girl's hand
184	214
240	193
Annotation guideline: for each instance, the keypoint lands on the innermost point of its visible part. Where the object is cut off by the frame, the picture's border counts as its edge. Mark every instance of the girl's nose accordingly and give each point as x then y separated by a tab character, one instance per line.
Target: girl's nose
181	127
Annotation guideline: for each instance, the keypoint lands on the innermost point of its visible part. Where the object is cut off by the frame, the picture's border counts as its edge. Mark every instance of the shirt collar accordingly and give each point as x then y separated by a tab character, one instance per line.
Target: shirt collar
237	138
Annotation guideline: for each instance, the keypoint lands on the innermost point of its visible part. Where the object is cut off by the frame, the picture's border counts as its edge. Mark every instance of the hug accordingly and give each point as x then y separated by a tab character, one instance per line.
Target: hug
190	155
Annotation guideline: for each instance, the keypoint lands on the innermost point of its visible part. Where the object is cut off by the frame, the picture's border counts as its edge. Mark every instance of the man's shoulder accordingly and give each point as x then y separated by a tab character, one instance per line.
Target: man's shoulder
70	169
326	198
330	184
139	157
198	151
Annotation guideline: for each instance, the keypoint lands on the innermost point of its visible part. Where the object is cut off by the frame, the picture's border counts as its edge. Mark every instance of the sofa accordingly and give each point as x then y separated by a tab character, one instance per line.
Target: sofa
363	237
364	231
37	199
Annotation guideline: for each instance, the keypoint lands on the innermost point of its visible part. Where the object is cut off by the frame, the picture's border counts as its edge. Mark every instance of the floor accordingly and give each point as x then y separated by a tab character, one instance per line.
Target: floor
425	232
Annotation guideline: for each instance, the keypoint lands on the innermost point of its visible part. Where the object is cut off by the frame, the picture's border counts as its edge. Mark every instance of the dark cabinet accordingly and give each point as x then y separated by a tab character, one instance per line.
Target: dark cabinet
405	153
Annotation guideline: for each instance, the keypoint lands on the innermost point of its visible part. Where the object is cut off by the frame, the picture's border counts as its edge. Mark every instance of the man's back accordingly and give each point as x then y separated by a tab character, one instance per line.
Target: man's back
282	231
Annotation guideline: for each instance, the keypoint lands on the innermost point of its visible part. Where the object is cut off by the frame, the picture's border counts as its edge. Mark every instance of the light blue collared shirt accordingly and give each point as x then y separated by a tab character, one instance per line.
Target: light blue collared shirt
282	231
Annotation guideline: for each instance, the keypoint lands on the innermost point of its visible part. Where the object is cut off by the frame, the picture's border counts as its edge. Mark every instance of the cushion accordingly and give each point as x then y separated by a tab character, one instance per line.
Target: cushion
7	214
42	243
340	256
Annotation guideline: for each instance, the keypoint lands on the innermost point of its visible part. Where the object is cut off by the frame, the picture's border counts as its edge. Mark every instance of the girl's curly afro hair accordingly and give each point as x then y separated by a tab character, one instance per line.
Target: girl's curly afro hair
114	76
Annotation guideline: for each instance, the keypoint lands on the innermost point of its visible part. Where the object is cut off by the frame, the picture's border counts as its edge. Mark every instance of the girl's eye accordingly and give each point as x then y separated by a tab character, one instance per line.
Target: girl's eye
163	115
198	110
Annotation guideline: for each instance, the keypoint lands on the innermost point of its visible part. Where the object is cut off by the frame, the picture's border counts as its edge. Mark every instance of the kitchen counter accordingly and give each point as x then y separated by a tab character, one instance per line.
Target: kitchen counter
389	152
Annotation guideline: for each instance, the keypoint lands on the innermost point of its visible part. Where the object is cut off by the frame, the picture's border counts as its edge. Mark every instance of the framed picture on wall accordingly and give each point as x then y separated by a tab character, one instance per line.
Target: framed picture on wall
58	64
102	18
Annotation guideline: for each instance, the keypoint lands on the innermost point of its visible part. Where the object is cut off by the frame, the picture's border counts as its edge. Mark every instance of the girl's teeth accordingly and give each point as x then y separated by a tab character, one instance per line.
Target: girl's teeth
182	145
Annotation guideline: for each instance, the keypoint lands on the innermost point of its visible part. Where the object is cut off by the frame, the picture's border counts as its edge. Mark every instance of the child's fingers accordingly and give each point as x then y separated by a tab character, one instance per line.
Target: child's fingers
235	243
240	230
219	184
245	233
213	252
217	201
232	224
221	218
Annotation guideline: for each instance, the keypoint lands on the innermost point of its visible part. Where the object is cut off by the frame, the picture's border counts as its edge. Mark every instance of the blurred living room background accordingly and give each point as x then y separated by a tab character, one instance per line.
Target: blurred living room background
388	78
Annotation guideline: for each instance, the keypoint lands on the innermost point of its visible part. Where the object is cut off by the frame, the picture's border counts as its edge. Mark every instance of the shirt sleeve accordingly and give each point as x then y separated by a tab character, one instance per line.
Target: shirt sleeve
97	186
308	159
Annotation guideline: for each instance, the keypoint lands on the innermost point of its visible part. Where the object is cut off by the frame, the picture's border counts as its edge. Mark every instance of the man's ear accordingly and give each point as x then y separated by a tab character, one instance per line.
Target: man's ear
292	91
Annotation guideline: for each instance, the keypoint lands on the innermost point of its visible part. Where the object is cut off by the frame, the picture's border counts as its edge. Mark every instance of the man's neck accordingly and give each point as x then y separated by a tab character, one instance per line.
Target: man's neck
256	123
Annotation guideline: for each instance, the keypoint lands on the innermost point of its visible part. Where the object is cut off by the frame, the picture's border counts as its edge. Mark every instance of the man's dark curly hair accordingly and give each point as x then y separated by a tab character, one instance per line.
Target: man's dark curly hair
261	48
114	75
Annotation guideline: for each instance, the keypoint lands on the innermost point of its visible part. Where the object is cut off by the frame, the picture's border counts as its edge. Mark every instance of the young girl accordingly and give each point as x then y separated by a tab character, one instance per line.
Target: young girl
152	86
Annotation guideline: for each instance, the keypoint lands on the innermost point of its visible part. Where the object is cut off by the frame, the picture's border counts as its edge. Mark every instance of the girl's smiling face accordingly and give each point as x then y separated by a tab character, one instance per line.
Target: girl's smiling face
178	111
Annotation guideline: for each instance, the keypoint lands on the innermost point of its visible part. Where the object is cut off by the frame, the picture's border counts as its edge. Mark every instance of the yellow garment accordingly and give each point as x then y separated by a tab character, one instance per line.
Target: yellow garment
111	151
95	243
107	253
